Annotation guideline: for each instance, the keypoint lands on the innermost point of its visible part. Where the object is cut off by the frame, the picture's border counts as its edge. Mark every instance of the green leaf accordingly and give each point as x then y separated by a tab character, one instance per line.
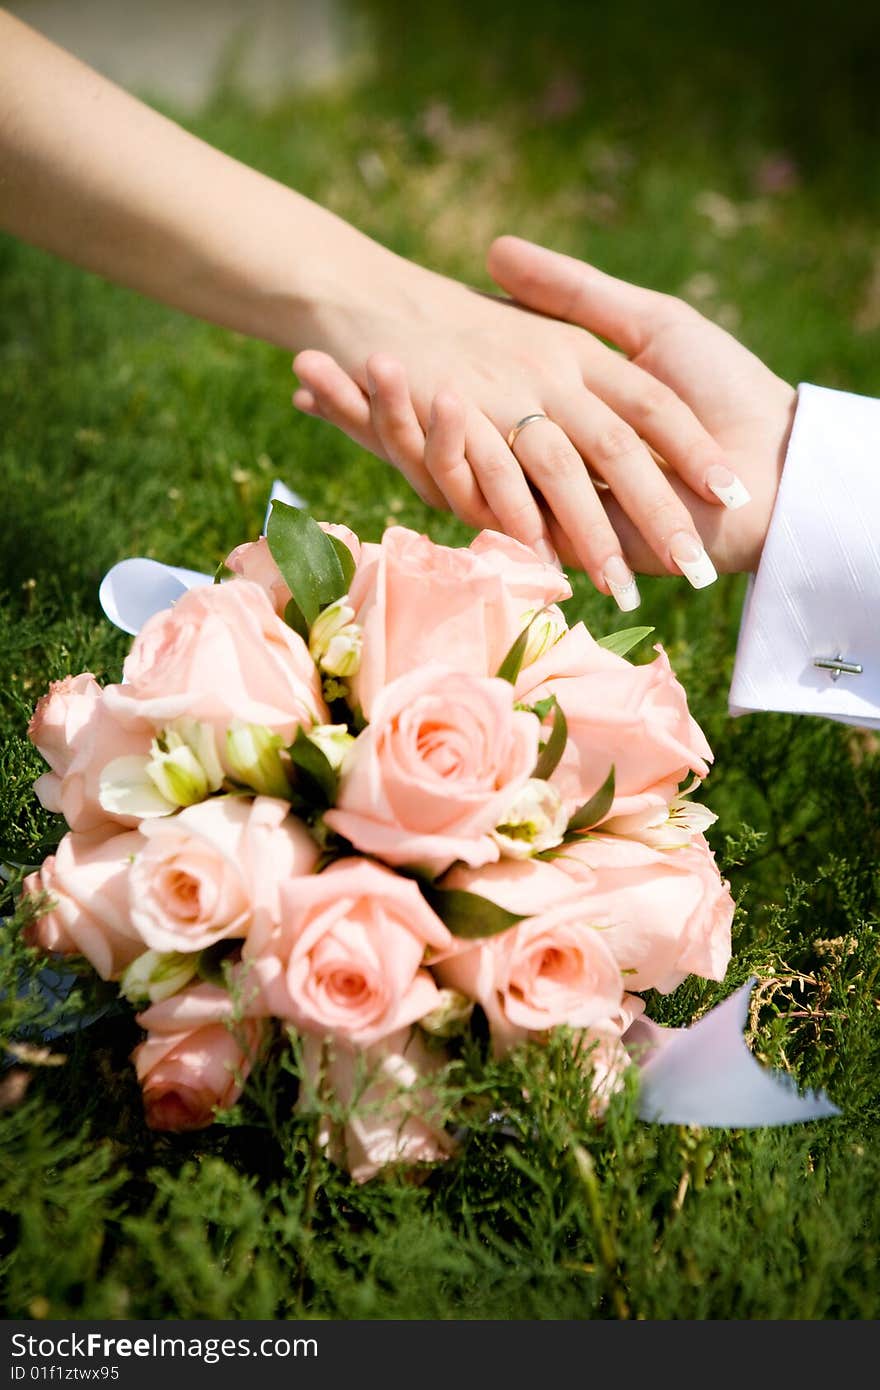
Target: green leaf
623	641
512	664
542	707
307	559
548	760
469	916
293	616
595	809
346	560
313	769
557	852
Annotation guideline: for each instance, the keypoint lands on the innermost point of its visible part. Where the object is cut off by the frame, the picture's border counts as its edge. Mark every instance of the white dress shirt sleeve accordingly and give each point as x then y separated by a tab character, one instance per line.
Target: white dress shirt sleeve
816	595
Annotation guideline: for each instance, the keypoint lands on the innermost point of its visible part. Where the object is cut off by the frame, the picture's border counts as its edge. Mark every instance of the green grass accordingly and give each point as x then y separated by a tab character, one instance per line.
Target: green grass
125	429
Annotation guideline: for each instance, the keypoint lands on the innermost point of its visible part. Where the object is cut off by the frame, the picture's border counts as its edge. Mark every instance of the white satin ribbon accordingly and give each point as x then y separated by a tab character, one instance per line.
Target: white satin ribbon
132	591
705	1075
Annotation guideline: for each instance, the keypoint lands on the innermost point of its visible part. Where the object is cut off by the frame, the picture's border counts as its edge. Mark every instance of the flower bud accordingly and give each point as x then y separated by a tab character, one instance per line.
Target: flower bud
253	755
176	771
334	741
202	739
335	640
450	1016
156	975
547	626
535	820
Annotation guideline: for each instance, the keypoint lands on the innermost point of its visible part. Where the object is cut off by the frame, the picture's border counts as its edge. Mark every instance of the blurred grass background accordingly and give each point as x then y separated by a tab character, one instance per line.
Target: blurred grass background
729	156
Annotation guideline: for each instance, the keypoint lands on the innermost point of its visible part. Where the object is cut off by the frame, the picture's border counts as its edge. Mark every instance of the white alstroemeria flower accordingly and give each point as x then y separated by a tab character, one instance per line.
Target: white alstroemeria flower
253	755
535	820
662	827
335	640
548	625
334	741
156	975
125	788
449	1016
181	768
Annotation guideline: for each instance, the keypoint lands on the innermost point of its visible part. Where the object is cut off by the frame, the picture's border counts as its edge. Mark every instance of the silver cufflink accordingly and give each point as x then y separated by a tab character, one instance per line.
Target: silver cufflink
837	666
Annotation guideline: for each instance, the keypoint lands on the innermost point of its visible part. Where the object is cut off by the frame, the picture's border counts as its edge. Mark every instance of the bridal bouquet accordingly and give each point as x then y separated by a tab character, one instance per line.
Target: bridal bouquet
362	791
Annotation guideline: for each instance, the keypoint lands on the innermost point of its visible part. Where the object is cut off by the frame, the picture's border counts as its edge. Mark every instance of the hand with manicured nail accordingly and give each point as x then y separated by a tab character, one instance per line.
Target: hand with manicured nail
673	457
743	406
458	372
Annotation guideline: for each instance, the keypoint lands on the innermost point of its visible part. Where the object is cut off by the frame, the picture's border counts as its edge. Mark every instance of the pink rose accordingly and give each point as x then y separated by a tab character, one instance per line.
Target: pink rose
344	534
604	1048
87	884
603	1051
635	717
553	968
195	1058
220	654
476	600
60	716
214	871
393	1115
76	734
347	959
529	578
435	770
254	561
665	914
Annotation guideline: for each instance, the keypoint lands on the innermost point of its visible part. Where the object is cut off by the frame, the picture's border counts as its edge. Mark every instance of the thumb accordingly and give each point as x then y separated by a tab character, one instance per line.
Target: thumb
565	288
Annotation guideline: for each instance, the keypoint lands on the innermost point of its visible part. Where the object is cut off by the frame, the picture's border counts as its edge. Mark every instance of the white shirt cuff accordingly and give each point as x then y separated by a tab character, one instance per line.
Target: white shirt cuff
816	594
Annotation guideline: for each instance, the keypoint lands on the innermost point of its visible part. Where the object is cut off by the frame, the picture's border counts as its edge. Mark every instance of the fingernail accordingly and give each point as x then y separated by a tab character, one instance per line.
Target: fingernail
544	549
727	487
622	583
692	560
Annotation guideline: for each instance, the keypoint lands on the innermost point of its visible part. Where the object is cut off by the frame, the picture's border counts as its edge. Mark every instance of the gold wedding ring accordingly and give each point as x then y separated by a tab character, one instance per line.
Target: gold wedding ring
521	424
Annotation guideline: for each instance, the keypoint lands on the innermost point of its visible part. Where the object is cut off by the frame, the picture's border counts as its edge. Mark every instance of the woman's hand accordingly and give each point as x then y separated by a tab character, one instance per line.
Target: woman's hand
474	368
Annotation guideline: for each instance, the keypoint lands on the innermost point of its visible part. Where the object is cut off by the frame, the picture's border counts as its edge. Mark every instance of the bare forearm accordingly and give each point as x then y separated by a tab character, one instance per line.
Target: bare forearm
95	176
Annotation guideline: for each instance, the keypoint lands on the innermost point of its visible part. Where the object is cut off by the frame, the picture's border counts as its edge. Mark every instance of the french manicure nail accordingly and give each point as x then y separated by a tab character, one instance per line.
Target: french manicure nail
727	487
692	560
621	581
